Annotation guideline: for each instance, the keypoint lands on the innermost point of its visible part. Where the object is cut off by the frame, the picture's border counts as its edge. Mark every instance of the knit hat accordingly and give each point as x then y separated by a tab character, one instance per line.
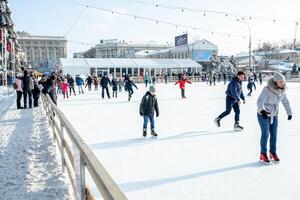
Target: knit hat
152	89
278	77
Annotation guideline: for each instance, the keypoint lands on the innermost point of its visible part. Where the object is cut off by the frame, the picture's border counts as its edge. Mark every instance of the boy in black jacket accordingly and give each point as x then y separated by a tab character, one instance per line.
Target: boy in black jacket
147	107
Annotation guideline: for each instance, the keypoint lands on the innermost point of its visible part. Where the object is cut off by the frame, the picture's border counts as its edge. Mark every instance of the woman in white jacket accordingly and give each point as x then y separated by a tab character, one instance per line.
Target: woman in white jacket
267	114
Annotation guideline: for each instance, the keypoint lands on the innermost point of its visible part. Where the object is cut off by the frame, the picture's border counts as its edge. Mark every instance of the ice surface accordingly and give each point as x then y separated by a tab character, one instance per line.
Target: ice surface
191	158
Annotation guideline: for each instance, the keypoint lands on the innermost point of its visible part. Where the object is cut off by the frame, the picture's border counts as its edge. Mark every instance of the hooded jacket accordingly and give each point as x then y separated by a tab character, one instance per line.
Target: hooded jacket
149	104
270	98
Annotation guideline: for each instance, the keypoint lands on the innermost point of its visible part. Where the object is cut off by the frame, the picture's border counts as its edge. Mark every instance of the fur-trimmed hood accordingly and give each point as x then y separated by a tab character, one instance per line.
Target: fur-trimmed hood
273	87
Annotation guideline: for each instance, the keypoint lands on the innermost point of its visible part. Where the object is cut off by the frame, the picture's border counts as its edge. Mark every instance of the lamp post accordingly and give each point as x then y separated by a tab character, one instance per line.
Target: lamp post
249	29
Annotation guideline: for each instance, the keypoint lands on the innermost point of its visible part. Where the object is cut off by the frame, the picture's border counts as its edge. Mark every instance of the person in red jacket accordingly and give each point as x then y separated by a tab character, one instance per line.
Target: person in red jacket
182	82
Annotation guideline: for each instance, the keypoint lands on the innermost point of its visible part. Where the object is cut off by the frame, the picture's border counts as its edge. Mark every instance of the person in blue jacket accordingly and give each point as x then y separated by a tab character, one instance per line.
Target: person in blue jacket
234	95
79	82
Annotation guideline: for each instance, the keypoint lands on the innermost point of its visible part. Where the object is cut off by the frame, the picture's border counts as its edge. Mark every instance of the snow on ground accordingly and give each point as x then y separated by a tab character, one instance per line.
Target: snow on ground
191	158
5	92
29	166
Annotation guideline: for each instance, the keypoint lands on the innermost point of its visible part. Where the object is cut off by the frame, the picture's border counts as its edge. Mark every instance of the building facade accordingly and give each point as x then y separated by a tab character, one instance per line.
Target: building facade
43	51
118	49
199	51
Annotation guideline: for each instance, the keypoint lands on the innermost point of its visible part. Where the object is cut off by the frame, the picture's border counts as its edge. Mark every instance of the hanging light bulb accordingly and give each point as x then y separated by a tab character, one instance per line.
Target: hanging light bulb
182	10
156	5
204	14
112	12
226	14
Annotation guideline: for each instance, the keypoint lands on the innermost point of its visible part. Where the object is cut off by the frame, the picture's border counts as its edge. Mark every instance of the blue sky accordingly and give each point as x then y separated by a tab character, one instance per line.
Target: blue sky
54	17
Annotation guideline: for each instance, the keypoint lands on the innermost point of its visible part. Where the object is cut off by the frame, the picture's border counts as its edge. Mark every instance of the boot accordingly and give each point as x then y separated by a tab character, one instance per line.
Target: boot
238	127
153	133
274	157
217	122
144	132
264	158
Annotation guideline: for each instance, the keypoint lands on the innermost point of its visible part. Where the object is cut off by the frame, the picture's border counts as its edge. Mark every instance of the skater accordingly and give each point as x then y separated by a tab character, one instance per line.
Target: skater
260	78
104	84
128	87
250	86
267	114
58	84
65	87
166	78
214	79
153	80
96	82
234	95
89	82
71	81
146	79
27	87
182	82
114	84
79	82
224	78
19	90
36	94
120	84
147	107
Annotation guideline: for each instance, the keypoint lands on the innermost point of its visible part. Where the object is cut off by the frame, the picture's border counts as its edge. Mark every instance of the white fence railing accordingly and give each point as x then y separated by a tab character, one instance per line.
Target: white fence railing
65	134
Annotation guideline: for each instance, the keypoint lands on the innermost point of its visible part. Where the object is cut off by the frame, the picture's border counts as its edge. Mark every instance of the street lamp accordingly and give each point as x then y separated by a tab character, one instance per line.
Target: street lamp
249	29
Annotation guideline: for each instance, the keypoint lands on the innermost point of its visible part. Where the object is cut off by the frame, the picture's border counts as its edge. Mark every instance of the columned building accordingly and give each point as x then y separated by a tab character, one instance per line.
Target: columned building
43	51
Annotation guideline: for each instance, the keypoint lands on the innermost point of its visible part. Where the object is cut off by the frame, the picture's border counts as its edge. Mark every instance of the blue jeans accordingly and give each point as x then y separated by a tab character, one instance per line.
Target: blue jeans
266	130
231	103
146	118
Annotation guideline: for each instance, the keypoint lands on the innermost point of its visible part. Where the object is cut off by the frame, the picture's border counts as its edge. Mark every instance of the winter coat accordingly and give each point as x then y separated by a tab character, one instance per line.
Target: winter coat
19	84
149	104
129	84
114	84
79	81
270	98
235	89
27	84
182	83
65	87
36	90
71	81
105	81
89	80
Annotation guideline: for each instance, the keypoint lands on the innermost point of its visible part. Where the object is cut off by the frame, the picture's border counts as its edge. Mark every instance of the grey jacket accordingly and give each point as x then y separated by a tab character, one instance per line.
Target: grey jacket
270	98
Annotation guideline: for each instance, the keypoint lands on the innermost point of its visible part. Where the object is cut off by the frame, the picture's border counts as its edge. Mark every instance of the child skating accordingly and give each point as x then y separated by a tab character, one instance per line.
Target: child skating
183	80
147	107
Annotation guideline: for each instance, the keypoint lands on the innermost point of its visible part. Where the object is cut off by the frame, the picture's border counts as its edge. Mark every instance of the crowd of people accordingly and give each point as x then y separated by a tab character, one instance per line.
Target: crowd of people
29	87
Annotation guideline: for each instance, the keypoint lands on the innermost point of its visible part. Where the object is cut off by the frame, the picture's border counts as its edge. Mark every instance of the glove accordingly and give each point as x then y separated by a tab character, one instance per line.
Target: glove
265	114
244	102
141	113
290	117
157	114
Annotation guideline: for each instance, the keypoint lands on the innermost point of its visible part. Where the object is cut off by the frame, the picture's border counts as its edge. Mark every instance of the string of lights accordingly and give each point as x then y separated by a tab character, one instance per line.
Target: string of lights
204	12
158	21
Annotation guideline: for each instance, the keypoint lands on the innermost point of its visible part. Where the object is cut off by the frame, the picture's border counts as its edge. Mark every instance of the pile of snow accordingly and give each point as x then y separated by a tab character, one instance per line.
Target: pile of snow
191	158
29	165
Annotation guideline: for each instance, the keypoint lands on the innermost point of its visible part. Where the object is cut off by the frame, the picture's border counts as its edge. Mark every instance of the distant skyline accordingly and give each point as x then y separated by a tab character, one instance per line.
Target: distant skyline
55	17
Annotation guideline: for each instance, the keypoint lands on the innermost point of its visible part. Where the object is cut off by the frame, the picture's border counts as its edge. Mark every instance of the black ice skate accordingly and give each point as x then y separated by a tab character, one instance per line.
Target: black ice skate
144	132
153	133
238	127
217	122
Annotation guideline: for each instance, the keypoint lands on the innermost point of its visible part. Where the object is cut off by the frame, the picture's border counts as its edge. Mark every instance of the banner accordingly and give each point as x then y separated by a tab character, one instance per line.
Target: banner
181	40
202	55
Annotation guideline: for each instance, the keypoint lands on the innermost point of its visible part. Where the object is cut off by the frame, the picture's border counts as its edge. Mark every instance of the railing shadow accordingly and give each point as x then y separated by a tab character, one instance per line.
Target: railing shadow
144	141
140	185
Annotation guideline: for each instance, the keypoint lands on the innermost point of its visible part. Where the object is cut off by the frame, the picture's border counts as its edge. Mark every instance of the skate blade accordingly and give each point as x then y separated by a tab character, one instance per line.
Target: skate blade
275	162
238	129
265	163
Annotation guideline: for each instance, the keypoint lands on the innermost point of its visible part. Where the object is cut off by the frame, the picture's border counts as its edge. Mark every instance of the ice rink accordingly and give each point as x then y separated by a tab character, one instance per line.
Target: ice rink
191	158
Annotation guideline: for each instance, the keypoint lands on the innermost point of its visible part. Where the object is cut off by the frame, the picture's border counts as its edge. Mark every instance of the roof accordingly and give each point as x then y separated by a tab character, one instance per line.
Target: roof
127	63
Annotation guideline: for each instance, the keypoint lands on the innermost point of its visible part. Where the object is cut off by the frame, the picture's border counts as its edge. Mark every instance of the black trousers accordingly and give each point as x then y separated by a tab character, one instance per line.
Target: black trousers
107	92
19	96
29	95
183	93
